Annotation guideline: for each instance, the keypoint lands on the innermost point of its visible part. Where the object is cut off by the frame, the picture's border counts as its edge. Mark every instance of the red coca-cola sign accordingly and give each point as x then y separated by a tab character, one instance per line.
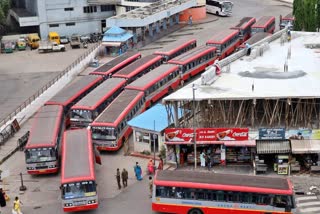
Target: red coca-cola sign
206	134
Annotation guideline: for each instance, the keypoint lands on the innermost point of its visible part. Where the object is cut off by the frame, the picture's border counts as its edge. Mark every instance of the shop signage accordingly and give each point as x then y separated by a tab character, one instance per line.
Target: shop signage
303	134
206	134
272	133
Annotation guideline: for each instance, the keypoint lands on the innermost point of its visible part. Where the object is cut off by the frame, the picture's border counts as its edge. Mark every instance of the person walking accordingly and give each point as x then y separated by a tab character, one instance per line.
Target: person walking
124	175
118	178
138	171
248	47
17	206
160	166
202	159
3	202
150	186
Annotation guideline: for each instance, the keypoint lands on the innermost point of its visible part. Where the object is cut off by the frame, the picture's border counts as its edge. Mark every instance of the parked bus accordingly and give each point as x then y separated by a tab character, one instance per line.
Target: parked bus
42	151
110	130
176	48
139	68
226	42
219	7
255	38
78	180
73	92
265	24
195	61
157	83
117	64
201	192
89	107
288	20
244	28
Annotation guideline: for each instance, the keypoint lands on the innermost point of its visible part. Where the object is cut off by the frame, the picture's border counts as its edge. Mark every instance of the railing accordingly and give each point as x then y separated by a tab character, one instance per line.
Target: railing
241	53
46	86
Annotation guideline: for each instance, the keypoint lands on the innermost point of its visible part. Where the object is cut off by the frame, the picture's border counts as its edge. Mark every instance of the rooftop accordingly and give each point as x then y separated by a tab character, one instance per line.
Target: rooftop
266	74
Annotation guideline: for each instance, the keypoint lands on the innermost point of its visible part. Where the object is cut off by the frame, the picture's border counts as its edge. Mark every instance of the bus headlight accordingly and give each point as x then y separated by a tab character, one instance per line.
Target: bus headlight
68	204
52	166
91	201
30	168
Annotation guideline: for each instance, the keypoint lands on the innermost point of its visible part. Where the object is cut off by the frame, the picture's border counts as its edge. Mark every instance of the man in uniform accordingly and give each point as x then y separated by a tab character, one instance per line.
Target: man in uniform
118	178
124	175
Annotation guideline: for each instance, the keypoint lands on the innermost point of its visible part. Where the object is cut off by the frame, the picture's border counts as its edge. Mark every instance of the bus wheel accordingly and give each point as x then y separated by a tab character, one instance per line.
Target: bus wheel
195	211
217	13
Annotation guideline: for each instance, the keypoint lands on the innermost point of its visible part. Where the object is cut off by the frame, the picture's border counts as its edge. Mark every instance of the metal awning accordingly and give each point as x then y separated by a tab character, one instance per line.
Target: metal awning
273	146
111	44
305	146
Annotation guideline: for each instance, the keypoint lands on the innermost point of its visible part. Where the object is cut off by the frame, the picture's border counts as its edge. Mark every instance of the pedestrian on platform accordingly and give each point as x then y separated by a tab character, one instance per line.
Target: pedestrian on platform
3	202
124	176
17	206
138	171
118	178
248	47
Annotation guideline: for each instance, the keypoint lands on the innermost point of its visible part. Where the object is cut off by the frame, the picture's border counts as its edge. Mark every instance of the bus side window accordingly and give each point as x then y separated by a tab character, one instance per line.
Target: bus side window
220	196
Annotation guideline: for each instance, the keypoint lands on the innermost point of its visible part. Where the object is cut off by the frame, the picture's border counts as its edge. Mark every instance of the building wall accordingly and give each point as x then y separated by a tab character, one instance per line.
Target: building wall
53	17
197	13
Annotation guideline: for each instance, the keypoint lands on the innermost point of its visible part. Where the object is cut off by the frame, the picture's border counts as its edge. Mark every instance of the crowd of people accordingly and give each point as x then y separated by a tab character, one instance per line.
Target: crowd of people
16	209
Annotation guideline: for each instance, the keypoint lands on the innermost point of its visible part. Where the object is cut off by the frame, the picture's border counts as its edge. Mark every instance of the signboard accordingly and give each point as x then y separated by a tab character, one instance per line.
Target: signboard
303	134
206	134
272	133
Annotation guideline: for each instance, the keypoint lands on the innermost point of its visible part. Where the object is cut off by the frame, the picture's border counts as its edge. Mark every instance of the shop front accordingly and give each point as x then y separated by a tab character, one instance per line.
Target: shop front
219	146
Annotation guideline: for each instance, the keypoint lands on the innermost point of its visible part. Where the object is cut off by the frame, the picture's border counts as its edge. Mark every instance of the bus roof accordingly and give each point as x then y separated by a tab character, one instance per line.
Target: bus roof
263	22
222	36
72	91
106	89
152	77
288	17
174	47
191	55
45	127
116	63
244	23
226	182
136	67
77	156
117	110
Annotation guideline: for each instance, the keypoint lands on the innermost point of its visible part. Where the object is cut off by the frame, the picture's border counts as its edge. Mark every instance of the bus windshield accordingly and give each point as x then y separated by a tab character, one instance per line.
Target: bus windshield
227	6
81	115
40	155
104	133
79	190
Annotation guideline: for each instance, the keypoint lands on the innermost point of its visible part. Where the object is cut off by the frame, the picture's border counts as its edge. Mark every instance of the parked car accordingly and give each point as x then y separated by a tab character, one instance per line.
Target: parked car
64	40
47	46
85	38
75	41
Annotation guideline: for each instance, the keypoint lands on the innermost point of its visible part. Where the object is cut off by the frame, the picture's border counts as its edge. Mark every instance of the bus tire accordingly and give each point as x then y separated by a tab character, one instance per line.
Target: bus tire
217	13
195	211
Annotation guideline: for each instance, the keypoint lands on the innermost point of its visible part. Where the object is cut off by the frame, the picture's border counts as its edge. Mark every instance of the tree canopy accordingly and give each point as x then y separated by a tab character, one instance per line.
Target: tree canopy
307	15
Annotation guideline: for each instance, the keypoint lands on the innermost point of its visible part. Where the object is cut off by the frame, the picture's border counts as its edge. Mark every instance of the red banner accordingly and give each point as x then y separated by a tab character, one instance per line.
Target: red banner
206	134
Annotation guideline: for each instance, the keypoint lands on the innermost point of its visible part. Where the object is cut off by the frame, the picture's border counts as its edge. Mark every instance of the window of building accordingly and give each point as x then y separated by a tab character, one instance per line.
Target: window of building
68	9
70	24
54	25
107	8
90	9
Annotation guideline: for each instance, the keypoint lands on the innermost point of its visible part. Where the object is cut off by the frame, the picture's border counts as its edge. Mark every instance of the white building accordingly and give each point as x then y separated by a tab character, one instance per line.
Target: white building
69	16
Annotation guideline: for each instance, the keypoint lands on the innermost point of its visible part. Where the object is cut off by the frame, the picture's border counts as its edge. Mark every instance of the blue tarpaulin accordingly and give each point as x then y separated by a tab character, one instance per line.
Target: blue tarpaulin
156	116
116	34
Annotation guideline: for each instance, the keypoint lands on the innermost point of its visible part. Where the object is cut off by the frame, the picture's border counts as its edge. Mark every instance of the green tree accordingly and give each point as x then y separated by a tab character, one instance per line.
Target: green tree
318	14
298	12
4	9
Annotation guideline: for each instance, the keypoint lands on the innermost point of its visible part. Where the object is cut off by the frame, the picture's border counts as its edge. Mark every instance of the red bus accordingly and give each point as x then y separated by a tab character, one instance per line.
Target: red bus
195	61
226	42
74	92
255	38
88	108
193	192
244	27
42	151
78	179
117	64
139	68
287	20
157	83
265	24
176	48
110	130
